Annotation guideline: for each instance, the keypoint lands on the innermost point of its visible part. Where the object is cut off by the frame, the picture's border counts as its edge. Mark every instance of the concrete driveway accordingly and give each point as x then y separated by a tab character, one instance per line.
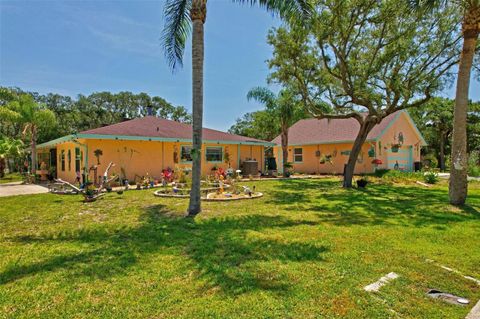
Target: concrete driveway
13	189
447	176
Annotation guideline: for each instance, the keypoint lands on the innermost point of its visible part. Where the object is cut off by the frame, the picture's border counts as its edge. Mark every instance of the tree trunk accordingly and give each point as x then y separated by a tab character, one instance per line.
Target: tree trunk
284	142
198	7
458	170
365	128
442	151
34	149
2	167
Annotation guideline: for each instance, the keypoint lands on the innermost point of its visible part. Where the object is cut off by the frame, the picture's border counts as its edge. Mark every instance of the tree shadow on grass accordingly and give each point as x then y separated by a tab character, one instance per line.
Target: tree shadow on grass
379	204
218	249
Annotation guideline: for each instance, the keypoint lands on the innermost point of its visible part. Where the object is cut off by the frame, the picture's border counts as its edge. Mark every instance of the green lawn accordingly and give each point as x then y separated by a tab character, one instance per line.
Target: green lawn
304	250
9	178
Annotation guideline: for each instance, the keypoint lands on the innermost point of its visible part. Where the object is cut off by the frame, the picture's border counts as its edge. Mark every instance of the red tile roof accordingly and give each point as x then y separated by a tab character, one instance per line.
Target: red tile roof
150	126
314	131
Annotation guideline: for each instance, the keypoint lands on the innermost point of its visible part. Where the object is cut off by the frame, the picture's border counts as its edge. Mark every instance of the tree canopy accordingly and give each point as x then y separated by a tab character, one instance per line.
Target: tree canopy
435	122
87	111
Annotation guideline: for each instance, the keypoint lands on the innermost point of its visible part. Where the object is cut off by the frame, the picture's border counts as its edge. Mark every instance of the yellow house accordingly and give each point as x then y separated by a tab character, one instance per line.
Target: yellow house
323	146
146	145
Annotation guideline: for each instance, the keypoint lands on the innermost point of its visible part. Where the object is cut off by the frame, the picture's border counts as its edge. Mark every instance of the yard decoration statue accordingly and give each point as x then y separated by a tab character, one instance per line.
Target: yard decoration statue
91	193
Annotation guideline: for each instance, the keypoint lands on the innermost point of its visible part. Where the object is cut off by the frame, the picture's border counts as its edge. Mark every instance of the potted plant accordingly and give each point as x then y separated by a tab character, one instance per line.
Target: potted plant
362	182
377	162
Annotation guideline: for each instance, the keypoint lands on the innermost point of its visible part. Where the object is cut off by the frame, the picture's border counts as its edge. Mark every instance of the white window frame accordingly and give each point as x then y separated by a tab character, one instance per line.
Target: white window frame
296	155
181	153
214	147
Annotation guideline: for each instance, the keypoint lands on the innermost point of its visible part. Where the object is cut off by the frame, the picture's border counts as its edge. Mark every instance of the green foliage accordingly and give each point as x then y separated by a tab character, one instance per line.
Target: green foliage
430	161
281	110
256	124
430	177
435	122
397	176
474	164
10	178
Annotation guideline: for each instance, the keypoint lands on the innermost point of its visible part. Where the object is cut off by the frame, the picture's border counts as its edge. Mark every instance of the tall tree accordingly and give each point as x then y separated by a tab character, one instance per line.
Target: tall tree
32	116
435	121
376	59
458	171
283	108
181	16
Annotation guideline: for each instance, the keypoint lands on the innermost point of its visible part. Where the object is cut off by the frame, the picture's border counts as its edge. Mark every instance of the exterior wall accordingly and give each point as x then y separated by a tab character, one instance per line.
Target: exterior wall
411	143
311	162
137	158
68	173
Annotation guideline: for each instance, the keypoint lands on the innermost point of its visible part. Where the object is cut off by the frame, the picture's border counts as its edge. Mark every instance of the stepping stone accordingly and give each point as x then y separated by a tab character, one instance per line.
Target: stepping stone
381	282
475	312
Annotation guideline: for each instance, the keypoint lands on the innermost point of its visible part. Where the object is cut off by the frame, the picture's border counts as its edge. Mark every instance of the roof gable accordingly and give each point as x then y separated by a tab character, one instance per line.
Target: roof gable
325	131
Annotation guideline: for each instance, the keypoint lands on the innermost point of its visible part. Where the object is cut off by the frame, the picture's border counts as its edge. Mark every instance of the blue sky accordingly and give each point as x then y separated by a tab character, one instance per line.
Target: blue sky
72	47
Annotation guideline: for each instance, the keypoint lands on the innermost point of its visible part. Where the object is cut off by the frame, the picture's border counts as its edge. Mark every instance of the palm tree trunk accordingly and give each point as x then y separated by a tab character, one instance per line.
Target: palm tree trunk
34	149
365	128
458	172
284	142
198	14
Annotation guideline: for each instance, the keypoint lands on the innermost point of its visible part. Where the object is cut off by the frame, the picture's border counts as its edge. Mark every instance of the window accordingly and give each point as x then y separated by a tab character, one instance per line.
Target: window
62	160
77	159
69	157
297	155
214	154
185	154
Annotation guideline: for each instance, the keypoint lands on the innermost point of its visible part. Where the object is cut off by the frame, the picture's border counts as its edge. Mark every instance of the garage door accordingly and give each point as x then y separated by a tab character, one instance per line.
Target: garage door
402	160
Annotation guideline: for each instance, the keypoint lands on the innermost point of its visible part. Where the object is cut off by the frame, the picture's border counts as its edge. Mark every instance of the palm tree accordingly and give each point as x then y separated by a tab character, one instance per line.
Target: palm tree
183	17
31	116
458	170
9	149
283	108
470	31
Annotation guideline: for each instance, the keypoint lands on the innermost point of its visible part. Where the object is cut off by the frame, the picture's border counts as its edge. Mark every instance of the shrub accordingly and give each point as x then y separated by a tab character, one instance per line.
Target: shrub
474	171
473	167
381	172
430	161
396	176
430	177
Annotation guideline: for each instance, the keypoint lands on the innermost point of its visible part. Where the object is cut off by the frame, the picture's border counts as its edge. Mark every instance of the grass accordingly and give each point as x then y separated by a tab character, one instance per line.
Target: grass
13	177
304	250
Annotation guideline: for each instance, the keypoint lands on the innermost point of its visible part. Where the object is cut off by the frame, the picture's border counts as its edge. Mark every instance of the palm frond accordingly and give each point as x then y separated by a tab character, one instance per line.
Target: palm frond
287	9
177	28
264	96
